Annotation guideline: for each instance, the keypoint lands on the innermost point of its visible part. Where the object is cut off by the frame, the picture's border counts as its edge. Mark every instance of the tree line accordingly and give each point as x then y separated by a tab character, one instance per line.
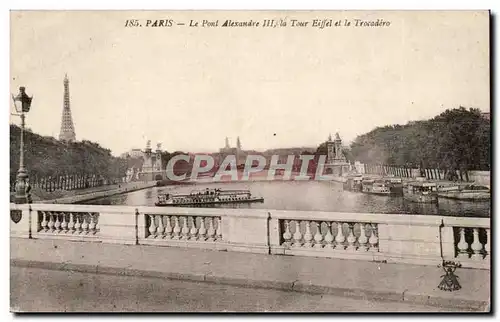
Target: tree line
455	140
46	157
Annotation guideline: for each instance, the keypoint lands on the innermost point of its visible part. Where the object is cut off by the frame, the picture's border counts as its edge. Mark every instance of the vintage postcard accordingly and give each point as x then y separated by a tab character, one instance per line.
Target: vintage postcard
250	161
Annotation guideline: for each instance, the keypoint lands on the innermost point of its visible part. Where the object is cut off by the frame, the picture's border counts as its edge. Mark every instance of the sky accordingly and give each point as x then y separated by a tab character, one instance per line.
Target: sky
190	87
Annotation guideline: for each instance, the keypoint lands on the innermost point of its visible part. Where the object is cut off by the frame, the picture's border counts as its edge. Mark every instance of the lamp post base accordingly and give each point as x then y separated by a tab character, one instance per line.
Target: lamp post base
21	199
22	188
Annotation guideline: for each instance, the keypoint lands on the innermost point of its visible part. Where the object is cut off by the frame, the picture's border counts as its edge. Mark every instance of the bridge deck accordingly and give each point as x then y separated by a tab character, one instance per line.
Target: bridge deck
349	278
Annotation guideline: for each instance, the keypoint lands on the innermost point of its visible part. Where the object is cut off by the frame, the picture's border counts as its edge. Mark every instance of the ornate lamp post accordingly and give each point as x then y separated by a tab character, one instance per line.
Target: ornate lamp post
22	185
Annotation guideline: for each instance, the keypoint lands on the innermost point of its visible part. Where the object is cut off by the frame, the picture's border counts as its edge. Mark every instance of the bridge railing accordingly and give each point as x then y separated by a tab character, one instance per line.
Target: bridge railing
392	238
467	240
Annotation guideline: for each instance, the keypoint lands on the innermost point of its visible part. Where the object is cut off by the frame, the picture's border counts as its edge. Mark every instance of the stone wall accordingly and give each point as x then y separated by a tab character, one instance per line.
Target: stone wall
480	177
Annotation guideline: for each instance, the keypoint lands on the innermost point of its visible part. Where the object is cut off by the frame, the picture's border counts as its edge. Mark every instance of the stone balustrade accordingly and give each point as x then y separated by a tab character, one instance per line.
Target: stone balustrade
416	239
377	237
469	241
68	223
331	235
196	230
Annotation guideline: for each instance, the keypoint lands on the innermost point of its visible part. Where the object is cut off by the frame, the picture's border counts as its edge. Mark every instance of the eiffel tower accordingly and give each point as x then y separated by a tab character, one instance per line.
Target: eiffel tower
67	129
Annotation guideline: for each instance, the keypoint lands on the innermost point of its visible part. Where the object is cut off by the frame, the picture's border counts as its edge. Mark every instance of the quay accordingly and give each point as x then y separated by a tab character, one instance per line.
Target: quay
376	257
83	195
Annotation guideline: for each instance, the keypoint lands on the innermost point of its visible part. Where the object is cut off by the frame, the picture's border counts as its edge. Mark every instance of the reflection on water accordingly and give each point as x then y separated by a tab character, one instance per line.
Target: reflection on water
309	196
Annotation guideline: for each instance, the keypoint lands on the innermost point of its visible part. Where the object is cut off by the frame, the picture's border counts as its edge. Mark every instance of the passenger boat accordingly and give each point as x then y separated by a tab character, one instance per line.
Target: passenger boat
375	187
421	192
207	197
468	192
353	183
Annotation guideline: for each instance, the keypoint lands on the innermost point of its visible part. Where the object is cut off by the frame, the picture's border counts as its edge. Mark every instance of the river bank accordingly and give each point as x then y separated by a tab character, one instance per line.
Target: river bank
93	193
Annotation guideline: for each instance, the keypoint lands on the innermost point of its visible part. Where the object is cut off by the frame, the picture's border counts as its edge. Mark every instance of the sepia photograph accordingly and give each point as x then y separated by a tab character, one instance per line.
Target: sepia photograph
250	161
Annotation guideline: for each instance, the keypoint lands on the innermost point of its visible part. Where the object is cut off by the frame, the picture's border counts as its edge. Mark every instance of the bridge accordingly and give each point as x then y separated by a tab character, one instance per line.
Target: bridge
375	257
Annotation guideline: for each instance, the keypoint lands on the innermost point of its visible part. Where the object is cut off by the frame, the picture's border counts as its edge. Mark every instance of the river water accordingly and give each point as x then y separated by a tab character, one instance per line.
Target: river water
309	196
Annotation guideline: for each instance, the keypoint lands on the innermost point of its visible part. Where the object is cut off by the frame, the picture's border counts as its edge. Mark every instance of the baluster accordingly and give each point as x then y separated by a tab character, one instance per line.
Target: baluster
318	237
476	245
185	228
168	228
160	229
211	230
373	240
351	239
44	224
308	236
218	232
85	225
177	228
78	225
297	236
363	240
92	224
194	230
64	223
329	236
487	243
57	223
152	226
462	244
71	224
340	238
287	235
203	230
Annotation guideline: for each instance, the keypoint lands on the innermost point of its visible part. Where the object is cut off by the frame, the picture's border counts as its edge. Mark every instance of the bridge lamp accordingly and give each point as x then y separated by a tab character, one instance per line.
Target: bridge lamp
22	105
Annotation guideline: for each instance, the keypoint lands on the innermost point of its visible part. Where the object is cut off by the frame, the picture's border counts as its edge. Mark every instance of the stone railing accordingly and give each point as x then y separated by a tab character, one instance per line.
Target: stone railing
416	239
377	237
468	240
175	227
64	223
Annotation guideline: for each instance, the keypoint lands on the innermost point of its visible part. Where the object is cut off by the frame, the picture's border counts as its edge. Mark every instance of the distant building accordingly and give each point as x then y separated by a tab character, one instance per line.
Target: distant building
228	150
152	166
359	167
135	153
147	166
336	162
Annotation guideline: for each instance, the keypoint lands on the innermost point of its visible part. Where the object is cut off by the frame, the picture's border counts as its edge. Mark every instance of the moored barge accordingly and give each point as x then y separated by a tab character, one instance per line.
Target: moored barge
353	183
395	185
375	187
469	192
421	192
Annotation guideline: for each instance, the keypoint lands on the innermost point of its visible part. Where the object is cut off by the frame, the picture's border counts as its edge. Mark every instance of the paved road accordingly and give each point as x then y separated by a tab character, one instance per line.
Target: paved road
34	289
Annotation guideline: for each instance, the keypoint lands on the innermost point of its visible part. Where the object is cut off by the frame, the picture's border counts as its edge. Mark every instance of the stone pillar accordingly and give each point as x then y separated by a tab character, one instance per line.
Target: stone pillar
20	221
275	237
247	231
418	243
447	242
117	227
